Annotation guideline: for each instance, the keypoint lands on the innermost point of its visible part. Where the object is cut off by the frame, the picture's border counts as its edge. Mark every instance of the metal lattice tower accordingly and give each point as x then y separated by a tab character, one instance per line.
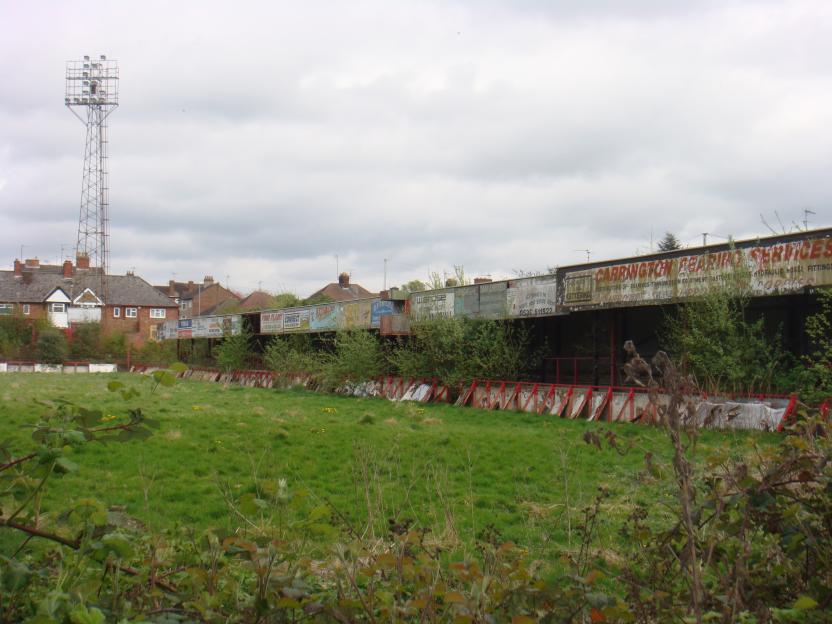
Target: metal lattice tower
93	85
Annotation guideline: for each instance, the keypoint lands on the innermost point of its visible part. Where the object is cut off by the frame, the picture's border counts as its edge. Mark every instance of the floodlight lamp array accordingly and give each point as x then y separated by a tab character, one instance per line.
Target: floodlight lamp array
92	82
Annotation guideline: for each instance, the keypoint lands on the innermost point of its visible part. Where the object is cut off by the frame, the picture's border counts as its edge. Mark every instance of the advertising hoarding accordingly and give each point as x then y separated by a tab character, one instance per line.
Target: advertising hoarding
433	304
759	269
532	296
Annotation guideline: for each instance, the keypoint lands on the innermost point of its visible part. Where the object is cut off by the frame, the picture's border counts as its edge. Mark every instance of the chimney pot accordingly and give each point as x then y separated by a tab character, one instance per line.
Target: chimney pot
344	280
67	268
209	279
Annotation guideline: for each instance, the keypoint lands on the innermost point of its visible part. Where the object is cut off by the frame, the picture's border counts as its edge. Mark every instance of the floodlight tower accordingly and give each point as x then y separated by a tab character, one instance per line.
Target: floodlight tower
92	87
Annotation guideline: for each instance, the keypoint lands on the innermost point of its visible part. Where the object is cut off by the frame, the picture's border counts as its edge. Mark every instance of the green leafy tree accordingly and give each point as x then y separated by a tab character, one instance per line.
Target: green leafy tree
285	300
52	346
669	243
317	299
413	286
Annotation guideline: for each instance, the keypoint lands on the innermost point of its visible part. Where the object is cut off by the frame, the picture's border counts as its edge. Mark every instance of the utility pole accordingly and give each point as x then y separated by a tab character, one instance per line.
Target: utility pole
806	213
337	268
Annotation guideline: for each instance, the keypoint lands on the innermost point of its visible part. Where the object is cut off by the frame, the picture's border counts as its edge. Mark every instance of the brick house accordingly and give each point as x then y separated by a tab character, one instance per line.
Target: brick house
342	290
66	295
198	299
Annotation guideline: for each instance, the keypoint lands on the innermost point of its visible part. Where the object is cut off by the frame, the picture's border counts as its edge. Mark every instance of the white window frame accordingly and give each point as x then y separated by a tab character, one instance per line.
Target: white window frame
7	309
131	312
26	308
116	312
157	313
57	308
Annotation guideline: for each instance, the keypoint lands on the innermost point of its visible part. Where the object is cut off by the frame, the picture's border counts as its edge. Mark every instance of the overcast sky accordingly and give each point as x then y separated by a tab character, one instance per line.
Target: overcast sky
257	140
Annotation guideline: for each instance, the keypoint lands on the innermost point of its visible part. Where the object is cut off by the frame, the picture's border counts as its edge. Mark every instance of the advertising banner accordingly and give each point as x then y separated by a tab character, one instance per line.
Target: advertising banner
355	315
324	317
771	268
271	322
184	328
167	330
378	309
493	302
217	326
432	304
533	296
296	320
467	301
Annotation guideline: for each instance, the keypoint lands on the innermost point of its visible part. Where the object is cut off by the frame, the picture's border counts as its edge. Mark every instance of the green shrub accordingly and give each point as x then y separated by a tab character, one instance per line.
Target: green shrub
294	353
16	334
162	353
725	350
52	346
233	352
113	347
815	377
358	356
456	350
86	341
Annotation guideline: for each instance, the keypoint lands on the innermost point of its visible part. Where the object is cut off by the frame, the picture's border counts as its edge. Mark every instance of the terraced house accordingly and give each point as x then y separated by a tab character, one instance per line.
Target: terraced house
66	295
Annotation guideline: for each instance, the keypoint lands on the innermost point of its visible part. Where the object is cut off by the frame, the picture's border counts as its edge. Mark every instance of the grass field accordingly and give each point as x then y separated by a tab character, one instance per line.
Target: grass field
453	470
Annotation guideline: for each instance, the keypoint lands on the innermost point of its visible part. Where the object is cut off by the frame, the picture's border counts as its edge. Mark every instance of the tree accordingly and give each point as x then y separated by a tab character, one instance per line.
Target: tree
414	286
284	300
51	346
669	243
317	299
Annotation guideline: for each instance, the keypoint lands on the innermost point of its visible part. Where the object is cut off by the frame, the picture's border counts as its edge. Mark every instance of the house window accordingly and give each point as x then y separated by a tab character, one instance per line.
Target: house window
26	308
157	313
58	307
116	312
131	312
6	308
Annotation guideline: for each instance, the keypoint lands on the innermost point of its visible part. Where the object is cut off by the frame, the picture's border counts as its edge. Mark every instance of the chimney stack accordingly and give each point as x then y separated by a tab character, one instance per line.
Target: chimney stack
171	288
344	280
67	269
208	280
482	280
18	268
82	262
32	263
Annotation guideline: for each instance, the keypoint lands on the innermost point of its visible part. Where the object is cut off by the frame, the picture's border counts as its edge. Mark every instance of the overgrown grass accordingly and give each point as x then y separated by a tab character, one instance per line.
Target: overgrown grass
459	472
